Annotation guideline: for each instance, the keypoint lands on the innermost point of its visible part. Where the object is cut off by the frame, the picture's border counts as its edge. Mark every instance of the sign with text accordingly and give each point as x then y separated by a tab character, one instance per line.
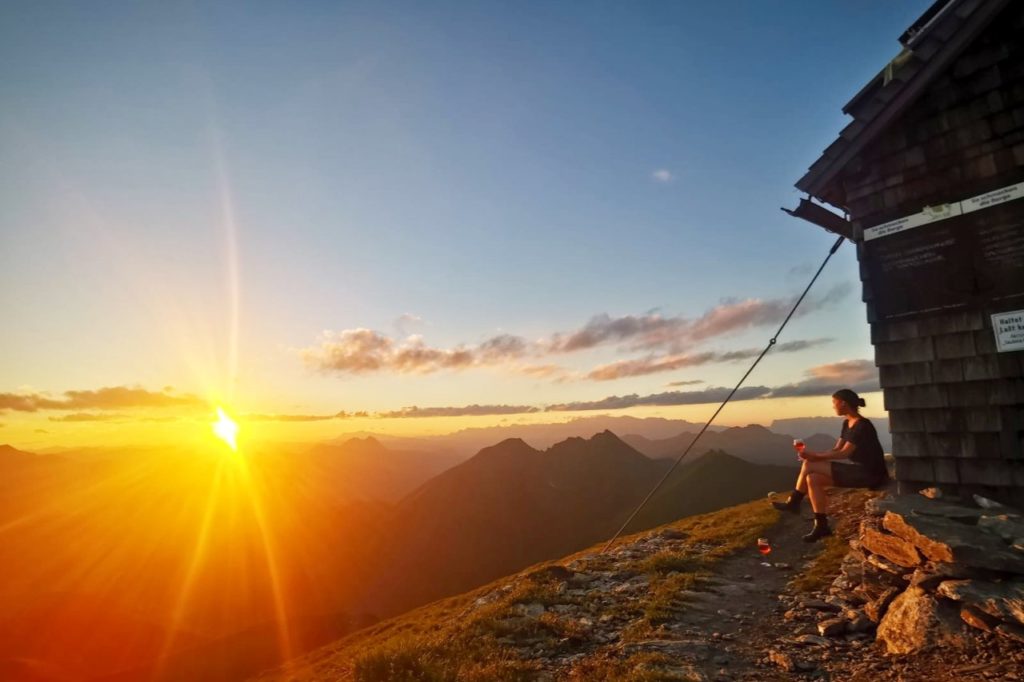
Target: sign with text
1009	330
970	260
932	214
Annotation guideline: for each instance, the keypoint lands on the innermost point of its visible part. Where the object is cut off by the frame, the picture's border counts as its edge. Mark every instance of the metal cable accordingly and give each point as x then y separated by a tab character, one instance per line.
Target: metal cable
835	247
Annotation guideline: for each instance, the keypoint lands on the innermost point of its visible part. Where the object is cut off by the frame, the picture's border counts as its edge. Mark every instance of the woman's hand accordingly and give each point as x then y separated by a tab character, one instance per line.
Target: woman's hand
811	456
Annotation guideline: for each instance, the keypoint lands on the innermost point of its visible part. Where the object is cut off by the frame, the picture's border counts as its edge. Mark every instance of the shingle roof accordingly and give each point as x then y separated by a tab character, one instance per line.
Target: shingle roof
929	46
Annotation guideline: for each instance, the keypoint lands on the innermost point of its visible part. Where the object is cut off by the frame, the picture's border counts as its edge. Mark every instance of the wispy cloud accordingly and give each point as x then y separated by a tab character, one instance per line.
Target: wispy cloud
653	331
859	375
708	395
687	382
291	417
662	175
366	351
363	351
407	322
668	363
87	417
467	410
109	398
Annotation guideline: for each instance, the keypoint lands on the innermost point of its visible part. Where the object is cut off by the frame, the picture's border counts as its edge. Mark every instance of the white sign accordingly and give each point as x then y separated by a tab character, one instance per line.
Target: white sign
929	214
999	196
1009	330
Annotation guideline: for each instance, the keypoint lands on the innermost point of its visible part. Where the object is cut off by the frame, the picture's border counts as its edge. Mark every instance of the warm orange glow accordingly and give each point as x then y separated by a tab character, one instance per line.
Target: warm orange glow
226	429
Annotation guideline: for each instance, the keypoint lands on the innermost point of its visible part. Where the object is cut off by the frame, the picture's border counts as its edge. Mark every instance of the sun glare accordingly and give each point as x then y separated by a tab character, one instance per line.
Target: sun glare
226	429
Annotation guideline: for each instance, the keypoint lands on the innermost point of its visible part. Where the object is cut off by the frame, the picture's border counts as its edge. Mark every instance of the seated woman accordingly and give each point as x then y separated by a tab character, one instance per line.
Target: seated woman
858	443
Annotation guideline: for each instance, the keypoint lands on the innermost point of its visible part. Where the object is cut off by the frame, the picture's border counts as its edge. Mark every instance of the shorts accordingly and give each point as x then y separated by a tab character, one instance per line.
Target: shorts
855	476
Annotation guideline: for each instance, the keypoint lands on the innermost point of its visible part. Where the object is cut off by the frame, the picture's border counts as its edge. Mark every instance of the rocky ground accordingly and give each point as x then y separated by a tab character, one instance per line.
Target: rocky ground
689	601
747	622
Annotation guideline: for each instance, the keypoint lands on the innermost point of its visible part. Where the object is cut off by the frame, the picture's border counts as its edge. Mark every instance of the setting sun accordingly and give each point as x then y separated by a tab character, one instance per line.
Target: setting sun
226	429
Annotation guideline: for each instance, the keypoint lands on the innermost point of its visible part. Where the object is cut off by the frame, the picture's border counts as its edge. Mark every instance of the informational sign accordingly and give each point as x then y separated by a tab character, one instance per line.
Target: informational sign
974	259
932	214
929	214
989	199
1009	330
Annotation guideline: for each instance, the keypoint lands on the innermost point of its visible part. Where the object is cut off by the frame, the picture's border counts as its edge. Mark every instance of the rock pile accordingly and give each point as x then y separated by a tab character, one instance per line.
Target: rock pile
929	571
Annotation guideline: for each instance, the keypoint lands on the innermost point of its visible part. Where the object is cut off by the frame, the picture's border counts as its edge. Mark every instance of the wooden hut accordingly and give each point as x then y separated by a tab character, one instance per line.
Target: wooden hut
930	177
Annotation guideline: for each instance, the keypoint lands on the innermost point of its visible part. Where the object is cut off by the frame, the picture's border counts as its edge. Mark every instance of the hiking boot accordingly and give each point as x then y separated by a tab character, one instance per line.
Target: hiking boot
820	530
792	504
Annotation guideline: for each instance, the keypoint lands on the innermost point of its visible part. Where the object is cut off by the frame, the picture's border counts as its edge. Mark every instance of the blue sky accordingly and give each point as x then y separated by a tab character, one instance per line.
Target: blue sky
489	168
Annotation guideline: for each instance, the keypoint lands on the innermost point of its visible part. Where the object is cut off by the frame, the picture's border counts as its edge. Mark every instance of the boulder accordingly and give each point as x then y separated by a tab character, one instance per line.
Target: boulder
832	627
1007	526
915	621
941	539
880	562
978	619
852	566
923	506
930	574
1004	600
895	549
876	608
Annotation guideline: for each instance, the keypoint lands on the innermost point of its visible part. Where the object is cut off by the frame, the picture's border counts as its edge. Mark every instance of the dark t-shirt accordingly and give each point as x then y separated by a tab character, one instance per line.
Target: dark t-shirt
869	451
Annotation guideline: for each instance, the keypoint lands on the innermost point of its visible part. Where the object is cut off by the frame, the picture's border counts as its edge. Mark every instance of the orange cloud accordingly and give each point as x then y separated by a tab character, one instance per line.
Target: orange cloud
87	417
668	363
859	375
653	331
362	351
707	395
108	398
468	410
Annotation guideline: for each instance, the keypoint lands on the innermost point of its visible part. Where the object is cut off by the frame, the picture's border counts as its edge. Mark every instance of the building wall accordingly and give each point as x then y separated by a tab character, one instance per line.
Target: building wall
956	406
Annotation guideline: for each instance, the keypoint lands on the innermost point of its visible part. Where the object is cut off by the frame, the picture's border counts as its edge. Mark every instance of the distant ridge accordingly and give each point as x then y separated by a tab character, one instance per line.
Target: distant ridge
512	505
753	443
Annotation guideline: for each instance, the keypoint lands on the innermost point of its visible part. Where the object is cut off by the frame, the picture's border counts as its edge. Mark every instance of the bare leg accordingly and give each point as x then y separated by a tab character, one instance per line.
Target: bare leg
818	480
801	479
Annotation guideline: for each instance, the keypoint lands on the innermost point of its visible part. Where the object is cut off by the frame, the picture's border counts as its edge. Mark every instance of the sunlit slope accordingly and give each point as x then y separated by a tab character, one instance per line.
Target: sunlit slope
183	547
468	636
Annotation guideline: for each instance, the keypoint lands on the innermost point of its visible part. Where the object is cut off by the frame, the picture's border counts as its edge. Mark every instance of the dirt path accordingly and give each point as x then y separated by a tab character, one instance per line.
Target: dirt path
725	630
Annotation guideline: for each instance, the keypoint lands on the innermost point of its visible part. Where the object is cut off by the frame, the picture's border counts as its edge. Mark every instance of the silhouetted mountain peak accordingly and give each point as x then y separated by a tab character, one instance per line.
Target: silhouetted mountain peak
606	436
367	443
7	450
749	429
508	448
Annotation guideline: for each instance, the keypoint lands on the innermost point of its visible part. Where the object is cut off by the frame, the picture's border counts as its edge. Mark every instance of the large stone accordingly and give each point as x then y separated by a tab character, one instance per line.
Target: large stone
915	621
832	627
948	541
978	619
881	563
876	608
1007	526
923	506
930	574
852	566
1004	600
896	549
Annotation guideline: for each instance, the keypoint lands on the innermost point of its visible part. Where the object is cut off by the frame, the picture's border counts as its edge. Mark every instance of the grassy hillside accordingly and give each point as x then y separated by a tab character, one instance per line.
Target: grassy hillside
714	481
475	636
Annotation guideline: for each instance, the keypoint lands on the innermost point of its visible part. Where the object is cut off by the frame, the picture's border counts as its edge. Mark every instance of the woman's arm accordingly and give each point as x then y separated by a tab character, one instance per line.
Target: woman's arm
843	450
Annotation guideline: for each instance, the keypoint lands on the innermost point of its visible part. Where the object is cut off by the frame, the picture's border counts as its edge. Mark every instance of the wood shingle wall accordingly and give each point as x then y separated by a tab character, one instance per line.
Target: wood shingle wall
956	406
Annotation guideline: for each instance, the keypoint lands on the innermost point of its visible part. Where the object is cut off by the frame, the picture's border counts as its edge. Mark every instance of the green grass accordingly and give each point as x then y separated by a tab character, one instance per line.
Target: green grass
640	667
457	640
845	505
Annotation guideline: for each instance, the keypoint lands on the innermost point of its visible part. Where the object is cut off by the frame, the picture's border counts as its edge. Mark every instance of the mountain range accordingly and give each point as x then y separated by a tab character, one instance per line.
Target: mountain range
345	529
